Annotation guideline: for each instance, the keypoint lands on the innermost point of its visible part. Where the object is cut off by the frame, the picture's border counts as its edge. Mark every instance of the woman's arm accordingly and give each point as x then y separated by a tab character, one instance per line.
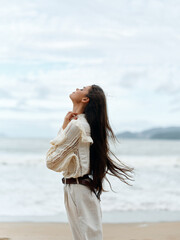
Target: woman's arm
64	148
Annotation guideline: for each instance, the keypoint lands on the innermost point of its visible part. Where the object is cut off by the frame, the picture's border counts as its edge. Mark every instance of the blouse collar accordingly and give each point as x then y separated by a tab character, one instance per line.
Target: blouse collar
81	115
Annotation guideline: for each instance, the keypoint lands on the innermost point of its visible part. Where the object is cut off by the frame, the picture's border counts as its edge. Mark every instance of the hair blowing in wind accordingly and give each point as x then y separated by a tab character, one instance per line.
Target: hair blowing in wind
100	161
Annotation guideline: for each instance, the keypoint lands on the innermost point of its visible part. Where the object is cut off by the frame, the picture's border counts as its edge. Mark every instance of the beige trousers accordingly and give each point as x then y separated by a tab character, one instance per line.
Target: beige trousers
83	212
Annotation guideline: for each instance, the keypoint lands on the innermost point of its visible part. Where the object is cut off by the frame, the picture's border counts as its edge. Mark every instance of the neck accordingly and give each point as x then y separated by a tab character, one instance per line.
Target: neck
79	109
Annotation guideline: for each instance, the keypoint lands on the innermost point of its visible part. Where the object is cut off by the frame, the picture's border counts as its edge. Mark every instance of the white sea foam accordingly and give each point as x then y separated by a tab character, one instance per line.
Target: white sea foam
28	187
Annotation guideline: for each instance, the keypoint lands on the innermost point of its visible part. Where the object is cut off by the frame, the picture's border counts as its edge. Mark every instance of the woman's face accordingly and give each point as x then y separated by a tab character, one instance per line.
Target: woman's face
80	94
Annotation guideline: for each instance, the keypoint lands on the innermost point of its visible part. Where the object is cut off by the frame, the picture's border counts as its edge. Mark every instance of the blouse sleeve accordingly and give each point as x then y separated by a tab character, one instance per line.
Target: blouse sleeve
63	150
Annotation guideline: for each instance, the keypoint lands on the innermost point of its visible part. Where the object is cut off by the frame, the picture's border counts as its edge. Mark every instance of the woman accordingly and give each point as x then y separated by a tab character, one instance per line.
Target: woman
81	151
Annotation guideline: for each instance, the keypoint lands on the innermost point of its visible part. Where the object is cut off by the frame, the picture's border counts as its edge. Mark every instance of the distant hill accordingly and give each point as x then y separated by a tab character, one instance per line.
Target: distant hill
153	133
2	135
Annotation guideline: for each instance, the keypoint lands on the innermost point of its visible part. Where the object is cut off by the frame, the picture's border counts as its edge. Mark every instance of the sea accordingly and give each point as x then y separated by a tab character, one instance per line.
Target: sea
29	191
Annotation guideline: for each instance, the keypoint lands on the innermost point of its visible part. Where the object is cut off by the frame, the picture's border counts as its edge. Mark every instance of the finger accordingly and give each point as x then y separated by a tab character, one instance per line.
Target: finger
68	114
74	117
73	114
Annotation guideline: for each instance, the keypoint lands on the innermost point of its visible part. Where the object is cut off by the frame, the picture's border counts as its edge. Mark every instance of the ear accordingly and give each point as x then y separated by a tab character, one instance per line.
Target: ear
85	100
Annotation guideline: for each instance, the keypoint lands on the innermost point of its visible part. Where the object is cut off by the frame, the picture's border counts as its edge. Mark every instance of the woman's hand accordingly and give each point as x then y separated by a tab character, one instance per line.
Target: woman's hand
69	116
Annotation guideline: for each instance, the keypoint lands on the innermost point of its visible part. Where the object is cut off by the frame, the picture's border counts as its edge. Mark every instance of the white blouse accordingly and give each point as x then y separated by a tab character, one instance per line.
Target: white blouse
70	150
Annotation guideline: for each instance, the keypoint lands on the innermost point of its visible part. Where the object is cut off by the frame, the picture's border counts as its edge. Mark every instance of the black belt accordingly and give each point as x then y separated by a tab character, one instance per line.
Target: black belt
80	180
85	180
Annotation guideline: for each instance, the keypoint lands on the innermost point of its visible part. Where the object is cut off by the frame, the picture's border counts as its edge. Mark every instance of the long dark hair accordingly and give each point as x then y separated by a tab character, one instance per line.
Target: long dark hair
100	161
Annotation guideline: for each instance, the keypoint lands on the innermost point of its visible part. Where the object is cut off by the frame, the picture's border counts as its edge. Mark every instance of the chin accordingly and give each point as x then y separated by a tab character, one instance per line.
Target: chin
70	95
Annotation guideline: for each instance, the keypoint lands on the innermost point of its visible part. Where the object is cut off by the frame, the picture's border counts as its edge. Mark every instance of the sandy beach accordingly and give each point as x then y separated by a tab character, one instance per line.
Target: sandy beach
61	231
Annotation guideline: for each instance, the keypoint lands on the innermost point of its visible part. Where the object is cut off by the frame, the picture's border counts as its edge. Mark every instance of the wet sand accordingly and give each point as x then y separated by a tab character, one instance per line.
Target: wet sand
61	231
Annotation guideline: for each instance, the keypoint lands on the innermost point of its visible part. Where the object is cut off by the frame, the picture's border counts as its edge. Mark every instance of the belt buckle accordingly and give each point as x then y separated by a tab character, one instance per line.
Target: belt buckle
77	180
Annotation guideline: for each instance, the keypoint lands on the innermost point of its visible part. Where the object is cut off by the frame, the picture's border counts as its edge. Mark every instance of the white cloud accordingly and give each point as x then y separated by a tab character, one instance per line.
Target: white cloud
130	48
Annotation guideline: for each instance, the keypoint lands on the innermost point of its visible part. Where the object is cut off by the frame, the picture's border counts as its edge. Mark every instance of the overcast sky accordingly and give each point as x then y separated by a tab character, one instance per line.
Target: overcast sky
131	48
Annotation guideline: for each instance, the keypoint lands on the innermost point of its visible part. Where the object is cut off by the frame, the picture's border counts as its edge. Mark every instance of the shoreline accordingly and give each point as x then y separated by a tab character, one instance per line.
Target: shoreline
125	231
107	217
